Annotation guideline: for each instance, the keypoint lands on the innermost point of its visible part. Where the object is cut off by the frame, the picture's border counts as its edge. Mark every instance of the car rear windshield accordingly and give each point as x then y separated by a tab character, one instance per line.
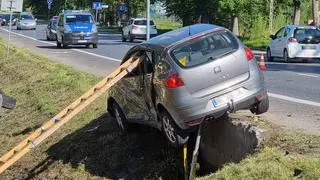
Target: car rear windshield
205	49
74	19
307	35
142	22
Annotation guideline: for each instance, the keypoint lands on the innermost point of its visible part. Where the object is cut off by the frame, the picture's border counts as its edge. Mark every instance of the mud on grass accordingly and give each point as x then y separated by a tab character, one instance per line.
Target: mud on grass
83	148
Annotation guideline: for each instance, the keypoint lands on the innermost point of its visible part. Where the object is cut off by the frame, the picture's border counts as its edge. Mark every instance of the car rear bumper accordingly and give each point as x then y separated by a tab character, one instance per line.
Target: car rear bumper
80	38
142	36
296	51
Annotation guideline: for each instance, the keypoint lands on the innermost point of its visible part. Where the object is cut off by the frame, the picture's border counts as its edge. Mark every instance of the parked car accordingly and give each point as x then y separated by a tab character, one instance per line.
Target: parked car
136	28
6	18
26	21
187	76
293	43
2	20
76	27
51	31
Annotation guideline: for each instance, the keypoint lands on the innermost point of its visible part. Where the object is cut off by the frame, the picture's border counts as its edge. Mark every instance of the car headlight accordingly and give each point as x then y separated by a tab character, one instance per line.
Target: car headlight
94	29
67	29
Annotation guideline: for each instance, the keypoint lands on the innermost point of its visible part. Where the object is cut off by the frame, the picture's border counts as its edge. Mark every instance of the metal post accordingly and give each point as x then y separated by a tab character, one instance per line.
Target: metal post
148	19
10	21
96	15
195	153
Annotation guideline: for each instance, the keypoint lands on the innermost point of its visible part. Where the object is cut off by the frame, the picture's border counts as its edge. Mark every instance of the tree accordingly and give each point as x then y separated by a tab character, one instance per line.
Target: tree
297	12
315	10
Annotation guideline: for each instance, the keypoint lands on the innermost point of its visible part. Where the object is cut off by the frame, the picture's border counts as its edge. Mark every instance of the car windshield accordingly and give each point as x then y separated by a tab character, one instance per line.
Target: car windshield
142	22
74	19
307	35
26	17
203	50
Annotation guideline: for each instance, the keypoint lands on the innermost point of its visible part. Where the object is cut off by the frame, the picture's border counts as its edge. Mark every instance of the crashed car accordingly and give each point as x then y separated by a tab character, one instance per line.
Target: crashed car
190	75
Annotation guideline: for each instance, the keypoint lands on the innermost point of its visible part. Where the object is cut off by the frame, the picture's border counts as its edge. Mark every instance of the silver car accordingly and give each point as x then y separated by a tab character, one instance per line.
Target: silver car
294	43
187	76
26	21
136	28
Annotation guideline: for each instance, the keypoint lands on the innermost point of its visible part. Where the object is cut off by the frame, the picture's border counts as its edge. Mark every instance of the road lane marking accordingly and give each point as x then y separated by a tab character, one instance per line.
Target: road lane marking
292	99
77	50
309	75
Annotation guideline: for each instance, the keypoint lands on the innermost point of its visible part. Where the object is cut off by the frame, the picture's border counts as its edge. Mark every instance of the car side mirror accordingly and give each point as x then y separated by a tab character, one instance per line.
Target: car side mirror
272	36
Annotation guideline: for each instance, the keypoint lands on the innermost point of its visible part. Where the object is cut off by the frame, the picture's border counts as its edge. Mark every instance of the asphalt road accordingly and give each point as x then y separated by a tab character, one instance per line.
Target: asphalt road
294	88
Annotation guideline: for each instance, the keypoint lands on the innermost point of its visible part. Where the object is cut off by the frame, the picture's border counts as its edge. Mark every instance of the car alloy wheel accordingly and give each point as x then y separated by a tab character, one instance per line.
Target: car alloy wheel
121	120
168	129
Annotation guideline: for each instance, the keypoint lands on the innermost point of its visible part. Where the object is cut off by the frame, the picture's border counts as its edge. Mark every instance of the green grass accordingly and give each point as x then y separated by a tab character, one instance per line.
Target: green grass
257	43
165	25
283	153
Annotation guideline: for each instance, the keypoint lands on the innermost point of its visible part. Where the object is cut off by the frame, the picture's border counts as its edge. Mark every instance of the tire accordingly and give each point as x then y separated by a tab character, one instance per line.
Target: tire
131	39
286	56
269	57
18	28
175	136
94	45
123	38
261	107
58	44
120	117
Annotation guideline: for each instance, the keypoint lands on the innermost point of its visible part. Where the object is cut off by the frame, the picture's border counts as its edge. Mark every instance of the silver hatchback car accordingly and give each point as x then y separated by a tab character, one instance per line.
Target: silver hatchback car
187	76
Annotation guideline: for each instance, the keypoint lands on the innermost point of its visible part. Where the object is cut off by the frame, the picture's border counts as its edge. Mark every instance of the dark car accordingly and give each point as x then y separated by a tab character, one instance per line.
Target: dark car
51	30
187	76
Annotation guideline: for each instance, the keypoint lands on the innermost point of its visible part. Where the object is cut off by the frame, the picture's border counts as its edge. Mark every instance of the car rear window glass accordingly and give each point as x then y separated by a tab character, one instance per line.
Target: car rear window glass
74	19
307	35
142	22
205	49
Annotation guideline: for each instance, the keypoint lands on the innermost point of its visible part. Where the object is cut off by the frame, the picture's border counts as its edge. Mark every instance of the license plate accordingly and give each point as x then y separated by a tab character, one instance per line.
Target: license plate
224	99
82	41
308	47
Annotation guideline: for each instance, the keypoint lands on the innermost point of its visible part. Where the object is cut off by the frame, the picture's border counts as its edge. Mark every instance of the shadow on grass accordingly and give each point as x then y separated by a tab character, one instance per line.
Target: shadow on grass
106	152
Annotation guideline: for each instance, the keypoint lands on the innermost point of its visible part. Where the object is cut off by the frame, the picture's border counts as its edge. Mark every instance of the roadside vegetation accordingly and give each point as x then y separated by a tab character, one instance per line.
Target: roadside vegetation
284	155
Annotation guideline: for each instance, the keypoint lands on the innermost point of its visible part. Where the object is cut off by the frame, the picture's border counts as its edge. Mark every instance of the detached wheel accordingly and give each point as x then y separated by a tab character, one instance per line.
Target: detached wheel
269	57
172	132
286	56
120	117
261	107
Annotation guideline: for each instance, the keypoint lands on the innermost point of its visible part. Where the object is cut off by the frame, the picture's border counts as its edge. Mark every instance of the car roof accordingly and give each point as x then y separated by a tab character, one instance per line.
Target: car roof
139	19
300	26
71	12
172	37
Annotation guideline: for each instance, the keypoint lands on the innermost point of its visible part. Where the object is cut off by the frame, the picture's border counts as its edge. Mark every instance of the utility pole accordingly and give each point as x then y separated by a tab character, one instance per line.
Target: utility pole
271	16
148	19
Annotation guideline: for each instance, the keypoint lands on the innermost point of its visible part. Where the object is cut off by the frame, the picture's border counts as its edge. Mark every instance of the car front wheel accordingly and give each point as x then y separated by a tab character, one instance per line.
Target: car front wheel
173	133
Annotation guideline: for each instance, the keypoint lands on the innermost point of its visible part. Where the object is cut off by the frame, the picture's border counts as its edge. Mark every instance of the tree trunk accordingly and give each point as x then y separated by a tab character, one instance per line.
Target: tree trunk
297	12
315	9
235	25
271	16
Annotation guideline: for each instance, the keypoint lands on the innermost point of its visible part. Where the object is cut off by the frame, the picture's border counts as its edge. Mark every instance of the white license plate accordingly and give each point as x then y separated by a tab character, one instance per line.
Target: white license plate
82	41
308	47
224	99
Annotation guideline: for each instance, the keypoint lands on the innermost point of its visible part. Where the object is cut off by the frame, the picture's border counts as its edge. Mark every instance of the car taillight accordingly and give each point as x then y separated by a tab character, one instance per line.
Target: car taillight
292	39
249	54
174	81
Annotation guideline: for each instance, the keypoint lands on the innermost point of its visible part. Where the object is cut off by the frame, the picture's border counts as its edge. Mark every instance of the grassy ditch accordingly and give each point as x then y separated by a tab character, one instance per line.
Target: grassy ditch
284	155
88	147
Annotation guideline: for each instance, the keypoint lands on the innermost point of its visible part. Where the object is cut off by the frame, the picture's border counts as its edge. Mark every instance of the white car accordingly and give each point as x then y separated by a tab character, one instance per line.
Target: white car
136	28
294	42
